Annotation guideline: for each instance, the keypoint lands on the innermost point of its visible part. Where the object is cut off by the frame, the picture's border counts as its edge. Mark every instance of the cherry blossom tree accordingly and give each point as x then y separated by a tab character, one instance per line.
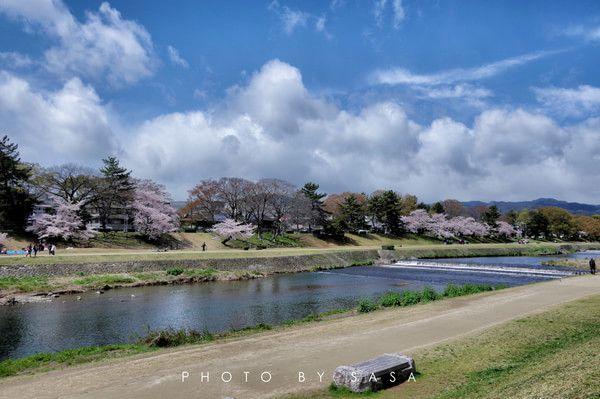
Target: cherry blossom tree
152	213
504	229
64	223
229	229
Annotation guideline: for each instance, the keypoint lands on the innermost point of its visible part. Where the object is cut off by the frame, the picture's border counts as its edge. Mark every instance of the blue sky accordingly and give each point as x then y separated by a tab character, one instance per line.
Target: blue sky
464	99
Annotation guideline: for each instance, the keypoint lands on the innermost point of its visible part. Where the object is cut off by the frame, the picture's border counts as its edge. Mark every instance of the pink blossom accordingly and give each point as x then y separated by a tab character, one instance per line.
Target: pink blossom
152	213
506	230
229	229
65	223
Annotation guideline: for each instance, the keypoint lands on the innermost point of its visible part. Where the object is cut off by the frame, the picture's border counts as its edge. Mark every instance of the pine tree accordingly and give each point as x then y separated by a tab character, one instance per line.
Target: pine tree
491	215
16	202
318	214
115	191
352	213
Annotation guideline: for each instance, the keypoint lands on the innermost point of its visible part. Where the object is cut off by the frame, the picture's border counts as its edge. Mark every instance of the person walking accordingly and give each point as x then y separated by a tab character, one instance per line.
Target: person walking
28	251
204	247
592	266
35	250
53	249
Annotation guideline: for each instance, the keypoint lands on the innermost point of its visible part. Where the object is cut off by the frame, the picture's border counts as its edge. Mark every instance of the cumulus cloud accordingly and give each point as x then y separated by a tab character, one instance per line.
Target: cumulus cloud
274	126
69	124
575	102
103	46
175	58
401	76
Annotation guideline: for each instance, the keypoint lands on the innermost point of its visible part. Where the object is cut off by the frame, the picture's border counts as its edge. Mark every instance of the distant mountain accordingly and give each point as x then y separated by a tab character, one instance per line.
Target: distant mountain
505	206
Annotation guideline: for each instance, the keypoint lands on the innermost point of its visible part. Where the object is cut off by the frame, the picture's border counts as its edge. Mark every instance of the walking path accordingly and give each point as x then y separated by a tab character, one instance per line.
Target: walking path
312	349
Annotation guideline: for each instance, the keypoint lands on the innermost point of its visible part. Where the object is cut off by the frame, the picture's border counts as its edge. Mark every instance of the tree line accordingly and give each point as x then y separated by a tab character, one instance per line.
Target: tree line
77	194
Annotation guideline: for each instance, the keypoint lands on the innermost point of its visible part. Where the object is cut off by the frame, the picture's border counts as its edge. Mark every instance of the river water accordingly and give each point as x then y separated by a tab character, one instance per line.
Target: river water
123	315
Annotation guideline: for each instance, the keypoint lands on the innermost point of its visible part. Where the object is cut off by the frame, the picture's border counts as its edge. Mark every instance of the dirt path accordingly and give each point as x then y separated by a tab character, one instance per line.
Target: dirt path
318	347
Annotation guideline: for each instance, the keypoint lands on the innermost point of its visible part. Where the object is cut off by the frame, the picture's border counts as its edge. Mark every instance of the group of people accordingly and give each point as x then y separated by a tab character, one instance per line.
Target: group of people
32	249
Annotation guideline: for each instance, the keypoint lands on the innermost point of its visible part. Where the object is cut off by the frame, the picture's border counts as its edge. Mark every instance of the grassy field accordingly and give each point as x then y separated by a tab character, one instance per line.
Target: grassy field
555	354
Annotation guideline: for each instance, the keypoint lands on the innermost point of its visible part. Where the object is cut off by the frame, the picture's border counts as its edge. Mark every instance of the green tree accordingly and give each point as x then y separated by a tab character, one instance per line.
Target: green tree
536	224
560	222
385	207
437	208
352	213
491	215
318	214
115	190
16	201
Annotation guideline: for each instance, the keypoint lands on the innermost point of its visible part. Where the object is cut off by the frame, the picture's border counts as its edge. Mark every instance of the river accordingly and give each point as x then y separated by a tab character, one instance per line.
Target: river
123	315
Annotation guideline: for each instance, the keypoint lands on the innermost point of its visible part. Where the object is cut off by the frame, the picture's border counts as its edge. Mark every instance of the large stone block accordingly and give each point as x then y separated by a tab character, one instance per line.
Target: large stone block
375	374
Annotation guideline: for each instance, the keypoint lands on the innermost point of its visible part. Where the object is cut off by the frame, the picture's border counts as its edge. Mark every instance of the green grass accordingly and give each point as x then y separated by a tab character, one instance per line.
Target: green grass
47	361
555	354
24	284
201	273
428	294
175	271
104	279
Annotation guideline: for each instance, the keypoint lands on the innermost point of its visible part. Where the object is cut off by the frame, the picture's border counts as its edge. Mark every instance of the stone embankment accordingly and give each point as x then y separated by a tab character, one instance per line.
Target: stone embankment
266	265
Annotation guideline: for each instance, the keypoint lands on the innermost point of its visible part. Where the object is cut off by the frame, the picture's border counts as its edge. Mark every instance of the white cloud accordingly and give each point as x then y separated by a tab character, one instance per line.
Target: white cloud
294	19
104	46
12	60
578	101
175	58
472	95
69	124
273	126
398	14
400	76
591	34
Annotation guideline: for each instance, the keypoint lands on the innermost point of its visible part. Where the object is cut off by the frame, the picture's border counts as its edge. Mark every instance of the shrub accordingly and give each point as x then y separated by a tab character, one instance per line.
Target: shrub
366	305
428	294
171	337
410	298
388	247
390	299
174	271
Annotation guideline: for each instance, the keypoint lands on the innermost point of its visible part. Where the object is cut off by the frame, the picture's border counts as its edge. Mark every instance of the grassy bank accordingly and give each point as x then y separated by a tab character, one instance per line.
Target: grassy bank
406	251
550	355
582	264
171	338
40	285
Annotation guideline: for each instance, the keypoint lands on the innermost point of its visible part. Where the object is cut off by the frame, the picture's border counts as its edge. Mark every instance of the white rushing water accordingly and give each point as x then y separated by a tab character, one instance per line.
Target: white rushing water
487	269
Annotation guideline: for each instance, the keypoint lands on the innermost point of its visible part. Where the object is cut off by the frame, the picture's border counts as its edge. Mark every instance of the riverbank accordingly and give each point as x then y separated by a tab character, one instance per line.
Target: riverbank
309	347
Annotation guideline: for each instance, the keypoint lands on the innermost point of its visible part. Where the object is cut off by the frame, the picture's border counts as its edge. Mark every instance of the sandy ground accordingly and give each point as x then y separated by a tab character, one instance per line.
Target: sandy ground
312	349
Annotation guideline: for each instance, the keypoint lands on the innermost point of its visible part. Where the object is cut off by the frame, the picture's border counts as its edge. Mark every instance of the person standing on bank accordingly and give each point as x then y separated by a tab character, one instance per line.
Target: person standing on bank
203	246
592	266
